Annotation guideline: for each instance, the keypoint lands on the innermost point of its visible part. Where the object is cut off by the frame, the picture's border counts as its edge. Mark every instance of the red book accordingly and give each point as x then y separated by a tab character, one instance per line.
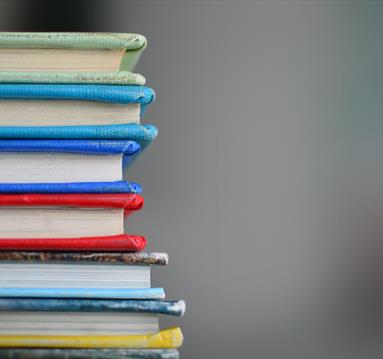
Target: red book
68	222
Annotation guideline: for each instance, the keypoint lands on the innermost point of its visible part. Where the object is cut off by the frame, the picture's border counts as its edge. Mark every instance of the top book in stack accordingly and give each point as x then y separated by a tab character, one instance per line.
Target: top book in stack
70	52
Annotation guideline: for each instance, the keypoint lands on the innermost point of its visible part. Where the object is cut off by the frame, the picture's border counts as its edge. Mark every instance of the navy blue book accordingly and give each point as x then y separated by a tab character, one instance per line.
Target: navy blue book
66	166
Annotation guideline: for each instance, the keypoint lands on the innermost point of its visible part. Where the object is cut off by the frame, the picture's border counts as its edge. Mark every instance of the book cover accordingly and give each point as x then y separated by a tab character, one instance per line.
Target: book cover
92	293
97	77
175	308
116	94
168	338
129	202
140	258
72	187
89	147
119	243
142	134
23	353
133	44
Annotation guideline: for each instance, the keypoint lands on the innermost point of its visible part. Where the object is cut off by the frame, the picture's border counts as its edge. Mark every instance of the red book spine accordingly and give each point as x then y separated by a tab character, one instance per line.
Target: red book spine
128	201
119	243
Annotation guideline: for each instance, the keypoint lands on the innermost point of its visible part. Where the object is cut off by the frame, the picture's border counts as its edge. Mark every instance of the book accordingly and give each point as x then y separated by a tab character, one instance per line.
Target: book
28	216
95	77
65	161
108	271
83	317
53	51
23	353
164	339
72	104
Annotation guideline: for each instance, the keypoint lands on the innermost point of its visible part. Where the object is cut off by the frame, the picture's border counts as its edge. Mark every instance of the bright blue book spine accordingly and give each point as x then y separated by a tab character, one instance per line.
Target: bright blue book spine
88	147
143	134
96	293
119	94
176	308
73	187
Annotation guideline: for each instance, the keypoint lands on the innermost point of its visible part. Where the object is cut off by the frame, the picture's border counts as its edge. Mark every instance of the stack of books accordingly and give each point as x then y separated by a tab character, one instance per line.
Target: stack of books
73	284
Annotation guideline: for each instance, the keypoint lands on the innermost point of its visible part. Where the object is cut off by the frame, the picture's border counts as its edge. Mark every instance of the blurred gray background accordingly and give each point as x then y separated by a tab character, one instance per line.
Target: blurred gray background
265	183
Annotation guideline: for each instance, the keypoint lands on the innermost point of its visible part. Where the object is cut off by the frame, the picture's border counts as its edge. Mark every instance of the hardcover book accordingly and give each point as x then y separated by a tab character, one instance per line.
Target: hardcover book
66	165
72	105
83	317
60	51
82	275
76	221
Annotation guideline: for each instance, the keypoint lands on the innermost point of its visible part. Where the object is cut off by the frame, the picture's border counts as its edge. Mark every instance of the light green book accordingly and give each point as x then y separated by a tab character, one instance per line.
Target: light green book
69	52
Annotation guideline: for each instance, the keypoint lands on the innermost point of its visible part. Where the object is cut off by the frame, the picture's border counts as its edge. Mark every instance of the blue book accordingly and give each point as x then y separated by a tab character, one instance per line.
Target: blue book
93	293
176	308
75	111
66	166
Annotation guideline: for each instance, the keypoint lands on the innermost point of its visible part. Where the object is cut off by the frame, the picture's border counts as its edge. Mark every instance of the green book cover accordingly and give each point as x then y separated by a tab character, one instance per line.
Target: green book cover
106	78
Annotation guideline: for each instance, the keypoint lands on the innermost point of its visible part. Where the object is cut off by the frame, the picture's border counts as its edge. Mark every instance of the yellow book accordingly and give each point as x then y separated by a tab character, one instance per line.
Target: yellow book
164	339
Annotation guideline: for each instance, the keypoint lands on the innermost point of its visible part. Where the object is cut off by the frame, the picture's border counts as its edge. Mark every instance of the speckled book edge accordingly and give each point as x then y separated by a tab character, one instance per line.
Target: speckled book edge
140	258
106	78
19	353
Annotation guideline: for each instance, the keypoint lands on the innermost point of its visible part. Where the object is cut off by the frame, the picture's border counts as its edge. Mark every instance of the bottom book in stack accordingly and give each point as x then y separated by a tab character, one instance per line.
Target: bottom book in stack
79	300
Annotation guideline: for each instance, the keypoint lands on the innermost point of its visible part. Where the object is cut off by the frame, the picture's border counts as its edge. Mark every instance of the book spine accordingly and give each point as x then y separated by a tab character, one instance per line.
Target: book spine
138	258
176	308
119	243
